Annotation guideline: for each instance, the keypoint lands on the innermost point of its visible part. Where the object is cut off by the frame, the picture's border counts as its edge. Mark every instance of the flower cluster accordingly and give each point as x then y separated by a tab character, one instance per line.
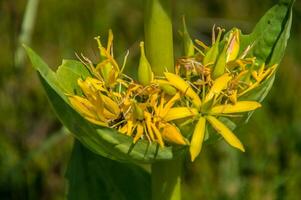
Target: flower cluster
209	82
138	109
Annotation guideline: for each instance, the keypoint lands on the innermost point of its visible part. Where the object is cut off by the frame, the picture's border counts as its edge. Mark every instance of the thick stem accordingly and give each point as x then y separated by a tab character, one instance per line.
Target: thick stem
158	35
166	175
166	180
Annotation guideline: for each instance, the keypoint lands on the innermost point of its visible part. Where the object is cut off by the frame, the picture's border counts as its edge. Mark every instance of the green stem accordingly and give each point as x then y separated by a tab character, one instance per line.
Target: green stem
166	175
26	31
166	180
158	35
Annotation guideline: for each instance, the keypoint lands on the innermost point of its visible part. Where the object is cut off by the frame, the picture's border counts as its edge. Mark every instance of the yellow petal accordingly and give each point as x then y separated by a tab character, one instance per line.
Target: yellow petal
161	106
225	132
153	99
197	138
233	97
184	87
179	113
166	87
85	108
264	76
160	81
148	125
108	115
82	105
240	106
219	84
123	129
158	135
97	84
172	134
233	45
90	86
169	104
139	132
111	105
110	40
84	87
97	122
130	127
146	132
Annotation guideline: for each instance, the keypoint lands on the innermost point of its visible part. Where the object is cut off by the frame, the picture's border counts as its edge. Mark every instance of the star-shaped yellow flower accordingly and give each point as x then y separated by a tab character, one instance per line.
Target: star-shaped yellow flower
209	109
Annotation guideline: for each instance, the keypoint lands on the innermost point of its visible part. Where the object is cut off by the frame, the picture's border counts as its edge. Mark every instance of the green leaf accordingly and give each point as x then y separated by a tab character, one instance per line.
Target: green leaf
270	34
269	37
44	70
101	140
68	73
259	93
280	46
91	176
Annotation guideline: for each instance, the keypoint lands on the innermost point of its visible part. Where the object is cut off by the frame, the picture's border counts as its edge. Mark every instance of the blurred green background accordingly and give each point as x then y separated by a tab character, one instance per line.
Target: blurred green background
35	149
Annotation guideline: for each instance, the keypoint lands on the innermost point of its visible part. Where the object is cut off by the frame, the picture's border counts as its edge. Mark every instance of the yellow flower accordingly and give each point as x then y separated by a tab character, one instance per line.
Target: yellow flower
184	87
96	105
214	104
150	117
107	70
258	77
214	81
197	138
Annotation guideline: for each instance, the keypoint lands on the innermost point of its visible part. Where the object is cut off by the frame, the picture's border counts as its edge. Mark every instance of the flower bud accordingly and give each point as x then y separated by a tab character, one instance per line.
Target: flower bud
138	112
233	45
145	74
106	68
219	68
187	42
168	89
211	55
172	134
106	71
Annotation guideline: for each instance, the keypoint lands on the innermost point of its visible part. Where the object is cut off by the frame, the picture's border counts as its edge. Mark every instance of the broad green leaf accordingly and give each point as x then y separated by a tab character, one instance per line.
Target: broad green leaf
68	73
259	93
270	34
280	46
269	37
101	140
44	71
91	176
76	124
